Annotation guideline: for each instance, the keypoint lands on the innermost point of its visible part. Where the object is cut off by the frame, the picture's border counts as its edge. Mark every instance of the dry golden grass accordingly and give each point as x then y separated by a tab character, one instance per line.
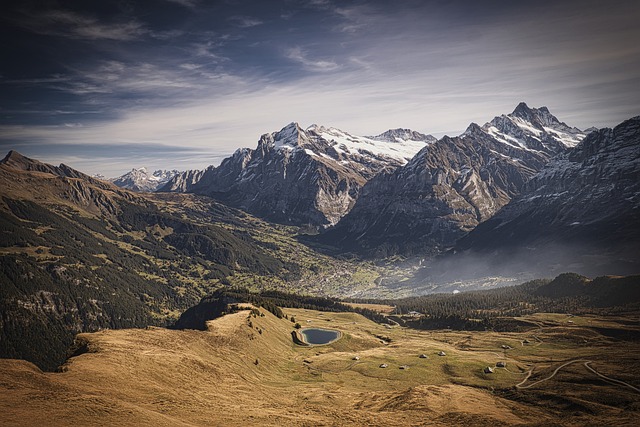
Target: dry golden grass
379	308
246	370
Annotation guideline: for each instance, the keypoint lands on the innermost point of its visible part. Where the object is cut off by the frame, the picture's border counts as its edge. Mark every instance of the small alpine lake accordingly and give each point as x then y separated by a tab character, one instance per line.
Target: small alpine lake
318	336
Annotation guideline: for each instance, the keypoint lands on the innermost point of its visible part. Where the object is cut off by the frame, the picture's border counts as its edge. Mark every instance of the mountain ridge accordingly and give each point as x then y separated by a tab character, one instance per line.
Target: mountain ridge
451	186
139	179
299	176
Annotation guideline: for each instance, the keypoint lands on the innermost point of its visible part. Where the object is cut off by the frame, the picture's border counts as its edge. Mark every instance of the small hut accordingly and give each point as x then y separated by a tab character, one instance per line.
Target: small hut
356	358
488	370
423	356
442	353
501	364
383	365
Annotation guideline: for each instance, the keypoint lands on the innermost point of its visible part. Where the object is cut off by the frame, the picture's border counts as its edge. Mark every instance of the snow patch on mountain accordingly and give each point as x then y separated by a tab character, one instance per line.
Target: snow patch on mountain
386	144
139	179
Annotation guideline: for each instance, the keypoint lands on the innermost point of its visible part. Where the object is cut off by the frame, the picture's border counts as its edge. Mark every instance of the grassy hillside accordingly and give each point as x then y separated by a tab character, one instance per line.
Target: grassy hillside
78	254
246	370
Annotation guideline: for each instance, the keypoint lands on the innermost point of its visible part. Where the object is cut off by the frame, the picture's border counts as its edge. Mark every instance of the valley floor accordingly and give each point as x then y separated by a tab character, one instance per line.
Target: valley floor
246	370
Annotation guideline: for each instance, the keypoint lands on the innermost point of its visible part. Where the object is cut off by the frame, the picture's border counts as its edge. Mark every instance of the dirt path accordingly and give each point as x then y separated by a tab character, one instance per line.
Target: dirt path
586	365
519	385
612	380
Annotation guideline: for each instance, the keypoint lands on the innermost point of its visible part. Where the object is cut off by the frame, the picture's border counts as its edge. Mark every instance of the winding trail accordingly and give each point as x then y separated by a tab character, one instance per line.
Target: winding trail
612	380
519	385
586	364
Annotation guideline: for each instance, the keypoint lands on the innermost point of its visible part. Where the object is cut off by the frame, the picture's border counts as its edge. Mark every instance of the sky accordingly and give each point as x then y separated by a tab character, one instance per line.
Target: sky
106	86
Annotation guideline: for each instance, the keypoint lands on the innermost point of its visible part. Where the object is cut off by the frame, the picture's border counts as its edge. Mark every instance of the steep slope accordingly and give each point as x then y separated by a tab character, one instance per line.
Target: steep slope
451	186
583	207
301	177
141	180
78	254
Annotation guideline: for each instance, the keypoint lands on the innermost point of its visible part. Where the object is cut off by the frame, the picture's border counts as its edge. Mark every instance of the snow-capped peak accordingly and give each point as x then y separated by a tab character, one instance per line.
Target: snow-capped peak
403	135
533	129
139	179
288	138
399	149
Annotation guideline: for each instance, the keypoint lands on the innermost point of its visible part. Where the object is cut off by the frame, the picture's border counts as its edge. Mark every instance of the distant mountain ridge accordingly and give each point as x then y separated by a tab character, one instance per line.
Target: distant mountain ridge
139	179
301	176
452	185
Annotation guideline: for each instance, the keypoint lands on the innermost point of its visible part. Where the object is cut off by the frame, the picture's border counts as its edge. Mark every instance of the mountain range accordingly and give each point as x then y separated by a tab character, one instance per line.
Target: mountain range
452	185
301	176
401	192
139	179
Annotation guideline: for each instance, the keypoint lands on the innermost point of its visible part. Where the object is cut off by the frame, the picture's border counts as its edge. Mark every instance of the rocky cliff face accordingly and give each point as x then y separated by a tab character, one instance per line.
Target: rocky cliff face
298	176
585	201
451	185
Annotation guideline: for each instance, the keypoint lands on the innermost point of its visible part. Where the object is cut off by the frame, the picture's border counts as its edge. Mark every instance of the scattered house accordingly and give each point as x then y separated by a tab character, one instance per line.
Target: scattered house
404	367
307	361
569	321
308	321
506	347
488	370
423	356
384	365
356	358
501	364
386	325
442	353
526	341
415	314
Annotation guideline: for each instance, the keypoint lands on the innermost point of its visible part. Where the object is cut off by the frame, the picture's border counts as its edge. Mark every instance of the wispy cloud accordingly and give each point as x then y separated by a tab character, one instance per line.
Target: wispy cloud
191	4
245	21
73	25
360	66
298	54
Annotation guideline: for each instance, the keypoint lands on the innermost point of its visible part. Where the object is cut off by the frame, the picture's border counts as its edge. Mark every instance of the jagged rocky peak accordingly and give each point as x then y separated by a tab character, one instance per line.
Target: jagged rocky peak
583	206
534	129
18	161
538	116
289	137
402	135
